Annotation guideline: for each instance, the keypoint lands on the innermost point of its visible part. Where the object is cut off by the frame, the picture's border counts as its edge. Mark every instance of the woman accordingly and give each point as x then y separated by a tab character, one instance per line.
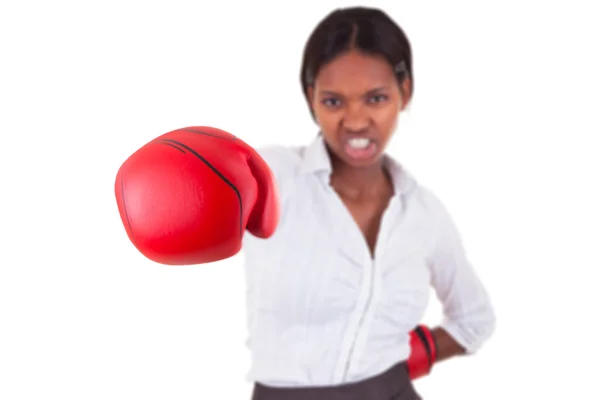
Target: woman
340	260
335	292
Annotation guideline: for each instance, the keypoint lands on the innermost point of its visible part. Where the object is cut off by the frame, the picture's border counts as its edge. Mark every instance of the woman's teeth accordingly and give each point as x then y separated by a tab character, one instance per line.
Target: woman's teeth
359	143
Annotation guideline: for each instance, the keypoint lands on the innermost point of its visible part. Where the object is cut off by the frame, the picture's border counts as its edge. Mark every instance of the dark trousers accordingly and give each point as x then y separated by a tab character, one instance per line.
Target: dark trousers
393	384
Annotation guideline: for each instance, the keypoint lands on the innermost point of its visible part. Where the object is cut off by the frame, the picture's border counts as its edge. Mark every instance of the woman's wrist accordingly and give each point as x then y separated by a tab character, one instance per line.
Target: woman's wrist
446	346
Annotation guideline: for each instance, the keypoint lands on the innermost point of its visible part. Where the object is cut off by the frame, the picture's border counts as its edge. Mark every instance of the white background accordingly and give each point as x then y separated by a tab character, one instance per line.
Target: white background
503	128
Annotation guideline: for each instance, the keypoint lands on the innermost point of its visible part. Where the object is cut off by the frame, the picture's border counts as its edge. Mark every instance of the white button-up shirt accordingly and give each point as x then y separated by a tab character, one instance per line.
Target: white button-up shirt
321	310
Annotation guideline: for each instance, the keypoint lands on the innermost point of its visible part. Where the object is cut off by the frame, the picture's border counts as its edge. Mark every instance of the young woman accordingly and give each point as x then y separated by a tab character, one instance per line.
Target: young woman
342	244
335	292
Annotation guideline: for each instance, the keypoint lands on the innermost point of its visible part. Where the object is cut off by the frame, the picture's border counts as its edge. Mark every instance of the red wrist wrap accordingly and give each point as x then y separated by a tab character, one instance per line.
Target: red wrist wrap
423	352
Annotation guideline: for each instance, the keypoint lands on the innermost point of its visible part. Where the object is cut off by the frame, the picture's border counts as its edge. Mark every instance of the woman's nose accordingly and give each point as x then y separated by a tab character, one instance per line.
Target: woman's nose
355	119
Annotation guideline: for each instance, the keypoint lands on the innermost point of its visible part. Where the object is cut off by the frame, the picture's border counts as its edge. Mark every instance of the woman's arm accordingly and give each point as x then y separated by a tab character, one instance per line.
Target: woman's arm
469	318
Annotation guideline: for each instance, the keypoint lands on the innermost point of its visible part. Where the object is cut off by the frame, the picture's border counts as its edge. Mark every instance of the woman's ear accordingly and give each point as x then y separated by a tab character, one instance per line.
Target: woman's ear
310	95
406	91
310	99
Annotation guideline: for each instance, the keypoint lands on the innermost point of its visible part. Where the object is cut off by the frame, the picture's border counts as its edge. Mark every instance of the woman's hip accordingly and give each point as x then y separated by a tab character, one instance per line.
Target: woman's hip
393	384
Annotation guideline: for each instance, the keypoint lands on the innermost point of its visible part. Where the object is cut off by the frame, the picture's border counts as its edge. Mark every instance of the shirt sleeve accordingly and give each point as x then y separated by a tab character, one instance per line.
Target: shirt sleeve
468	313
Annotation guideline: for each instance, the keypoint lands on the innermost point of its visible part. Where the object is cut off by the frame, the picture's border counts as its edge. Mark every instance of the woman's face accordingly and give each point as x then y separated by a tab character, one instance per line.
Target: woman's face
356	101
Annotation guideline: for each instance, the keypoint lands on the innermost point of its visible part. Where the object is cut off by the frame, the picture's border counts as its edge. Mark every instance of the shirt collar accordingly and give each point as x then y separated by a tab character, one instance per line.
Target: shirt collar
316	157
316	160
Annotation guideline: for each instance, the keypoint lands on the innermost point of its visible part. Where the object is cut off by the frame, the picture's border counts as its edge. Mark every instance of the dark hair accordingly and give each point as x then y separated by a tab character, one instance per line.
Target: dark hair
369	30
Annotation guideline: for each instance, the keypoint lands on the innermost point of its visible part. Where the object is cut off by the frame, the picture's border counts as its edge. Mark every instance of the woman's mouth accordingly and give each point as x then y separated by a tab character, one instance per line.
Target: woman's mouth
360	148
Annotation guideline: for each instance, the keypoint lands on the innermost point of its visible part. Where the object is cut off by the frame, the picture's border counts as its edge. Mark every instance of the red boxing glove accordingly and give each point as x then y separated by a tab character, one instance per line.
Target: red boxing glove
187	196
423	352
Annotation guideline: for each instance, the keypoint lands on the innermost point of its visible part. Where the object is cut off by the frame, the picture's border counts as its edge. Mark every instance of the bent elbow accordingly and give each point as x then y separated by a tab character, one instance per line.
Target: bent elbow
472	331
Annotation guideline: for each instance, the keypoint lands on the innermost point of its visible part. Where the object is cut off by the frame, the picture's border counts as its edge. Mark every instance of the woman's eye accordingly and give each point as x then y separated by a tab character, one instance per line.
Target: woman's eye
378	98
331	102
